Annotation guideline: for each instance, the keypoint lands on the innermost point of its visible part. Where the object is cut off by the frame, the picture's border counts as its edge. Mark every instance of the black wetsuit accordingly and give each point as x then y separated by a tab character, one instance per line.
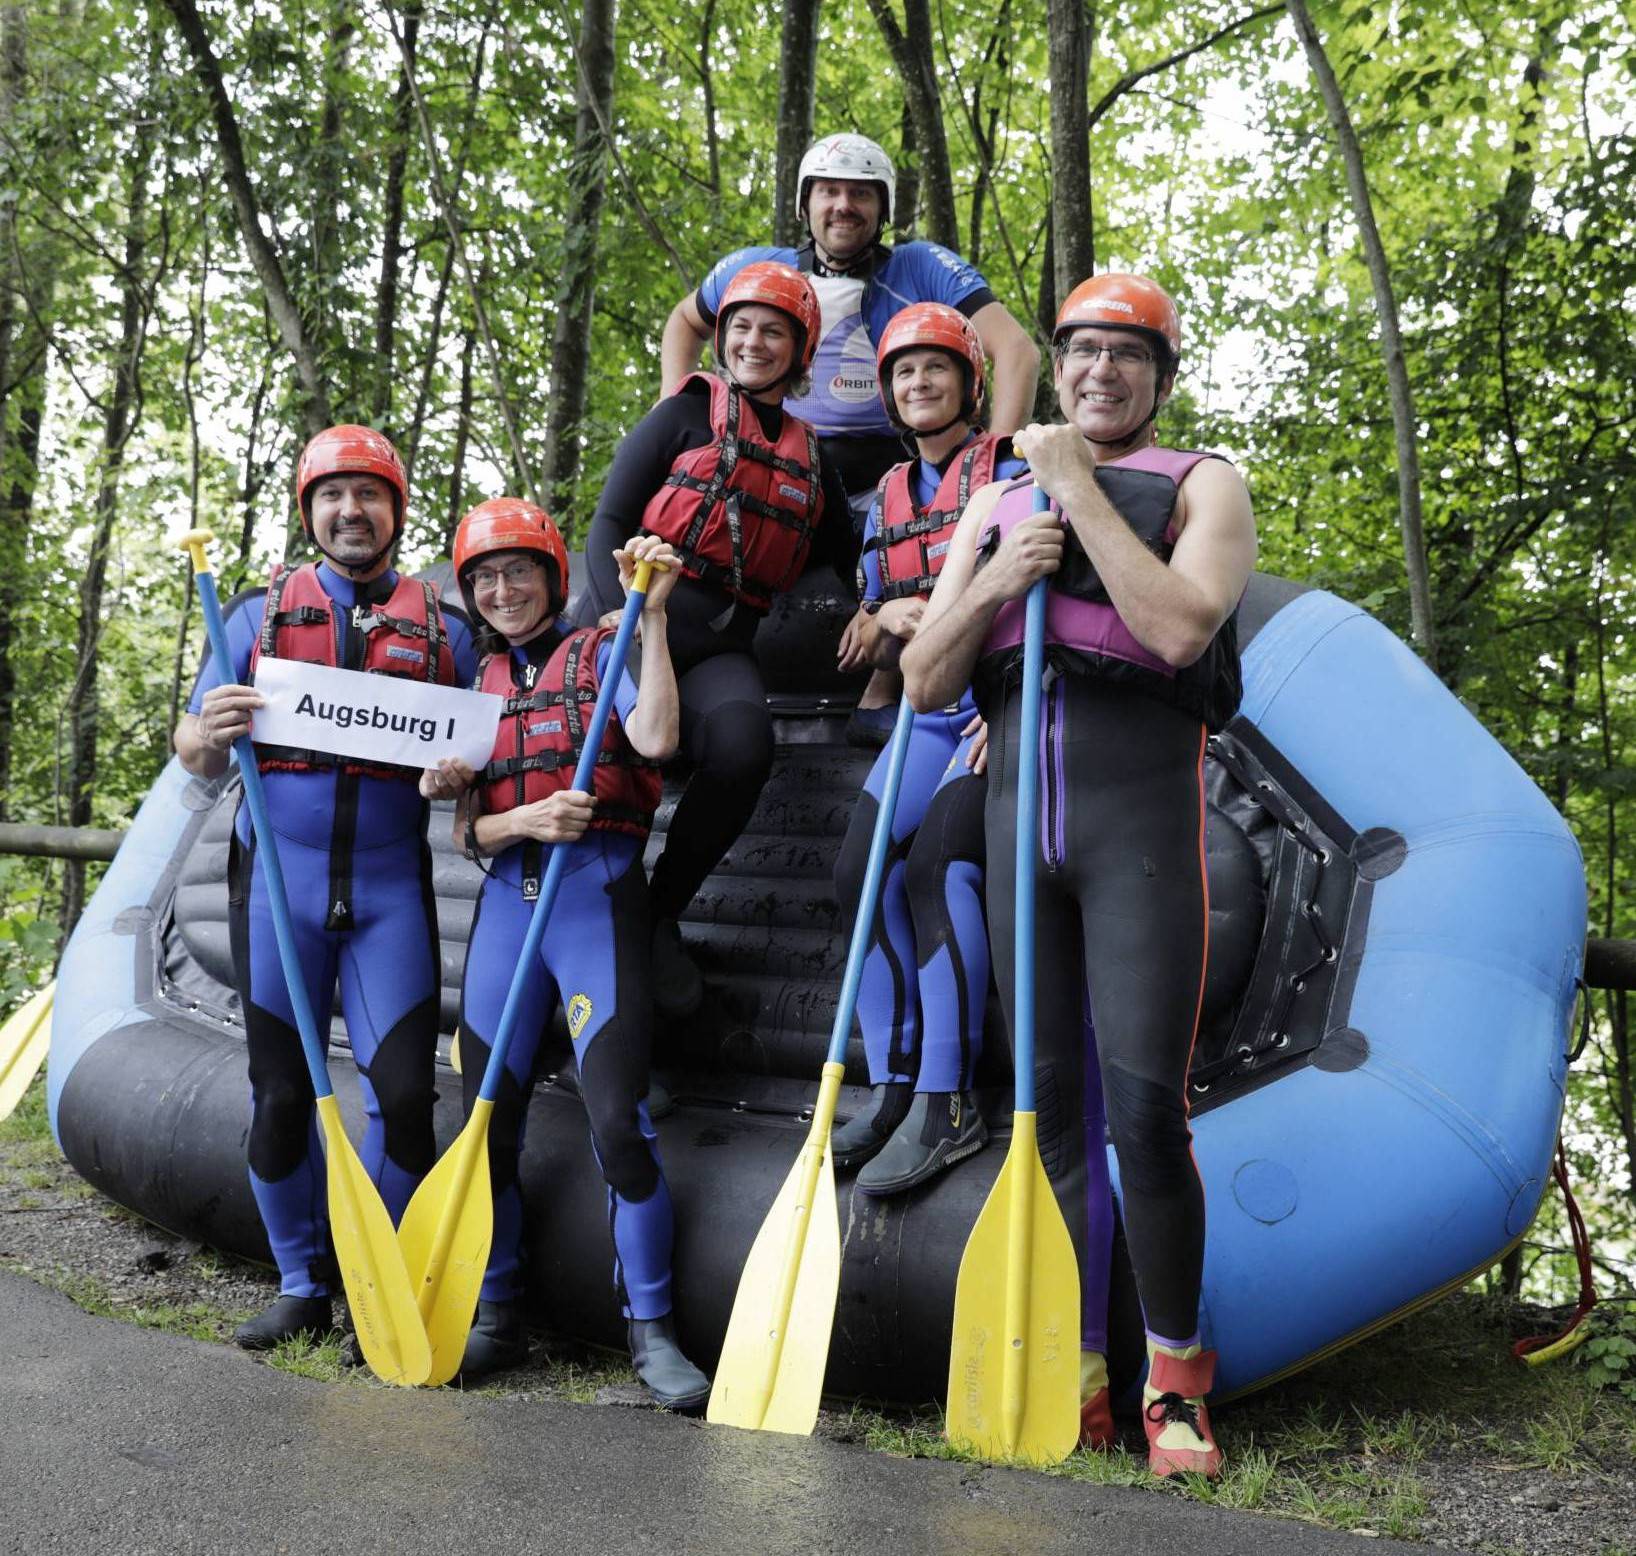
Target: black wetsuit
1121	891
726	729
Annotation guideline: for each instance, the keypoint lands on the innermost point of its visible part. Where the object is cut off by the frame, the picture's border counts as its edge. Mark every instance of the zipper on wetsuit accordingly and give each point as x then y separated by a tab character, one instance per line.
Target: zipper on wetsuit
1051	823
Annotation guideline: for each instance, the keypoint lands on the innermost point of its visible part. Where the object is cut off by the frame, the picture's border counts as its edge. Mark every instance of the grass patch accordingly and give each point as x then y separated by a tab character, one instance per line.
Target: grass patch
29	1123
195	1320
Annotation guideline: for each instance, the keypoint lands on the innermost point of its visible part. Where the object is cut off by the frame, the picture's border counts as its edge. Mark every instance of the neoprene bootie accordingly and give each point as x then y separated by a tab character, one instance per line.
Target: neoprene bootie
497	1340
668	1375
1096	1429
284	1320
941	1128
1173	1411
852	1144
678	989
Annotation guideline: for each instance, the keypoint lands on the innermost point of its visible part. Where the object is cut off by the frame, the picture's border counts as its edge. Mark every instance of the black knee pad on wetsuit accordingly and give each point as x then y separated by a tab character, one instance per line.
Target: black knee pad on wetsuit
281	1087
401	1075
613	1075
951	832
1150	1131
505	1123
735	745
852	859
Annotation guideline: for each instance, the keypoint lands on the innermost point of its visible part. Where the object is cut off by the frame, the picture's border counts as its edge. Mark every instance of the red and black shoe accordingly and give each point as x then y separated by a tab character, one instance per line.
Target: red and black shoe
1174	1413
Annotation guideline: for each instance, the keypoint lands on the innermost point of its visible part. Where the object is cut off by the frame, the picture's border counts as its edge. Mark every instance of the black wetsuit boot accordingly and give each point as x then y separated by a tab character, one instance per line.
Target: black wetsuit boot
497	1340
854	1142
284	1320
668	1375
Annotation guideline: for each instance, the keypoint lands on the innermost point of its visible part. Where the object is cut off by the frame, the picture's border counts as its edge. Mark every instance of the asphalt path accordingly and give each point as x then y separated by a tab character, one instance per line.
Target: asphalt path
119	1440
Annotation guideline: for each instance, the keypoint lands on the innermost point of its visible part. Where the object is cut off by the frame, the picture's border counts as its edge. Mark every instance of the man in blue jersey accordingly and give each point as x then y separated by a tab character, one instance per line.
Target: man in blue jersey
352	843
846	186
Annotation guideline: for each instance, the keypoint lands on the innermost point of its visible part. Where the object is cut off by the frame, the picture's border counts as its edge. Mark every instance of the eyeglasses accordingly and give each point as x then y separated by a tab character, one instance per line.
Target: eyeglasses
485	580
1090	354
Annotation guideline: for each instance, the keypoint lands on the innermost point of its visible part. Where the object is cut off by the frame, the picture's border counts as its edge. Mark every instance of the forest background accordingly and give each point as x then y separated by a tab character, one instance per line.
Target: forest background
1402	236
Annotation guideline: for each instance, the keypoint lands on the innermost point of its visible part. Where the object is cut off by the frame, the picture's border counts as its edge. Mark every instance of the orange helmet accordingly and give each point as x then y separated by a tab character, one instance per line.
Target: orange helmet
510	524
350	450
1122	302
938	325
774	286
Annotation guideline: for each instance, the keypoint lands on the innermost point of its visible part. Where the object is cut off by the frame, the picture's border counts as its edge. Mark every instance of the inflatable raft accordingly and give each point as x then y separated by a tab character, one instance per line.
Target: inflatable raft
1397	928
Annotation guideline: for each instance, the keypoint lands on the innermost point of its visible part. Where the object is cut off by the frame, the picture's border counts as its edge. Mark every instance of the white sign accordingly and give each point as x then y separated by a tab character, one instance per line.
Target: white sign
375	718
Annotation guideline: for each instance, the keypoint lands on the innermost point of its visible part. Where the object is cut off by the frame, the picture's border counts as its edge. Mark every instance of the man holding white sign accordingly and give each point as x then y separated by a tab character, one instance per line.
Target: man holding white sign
348	801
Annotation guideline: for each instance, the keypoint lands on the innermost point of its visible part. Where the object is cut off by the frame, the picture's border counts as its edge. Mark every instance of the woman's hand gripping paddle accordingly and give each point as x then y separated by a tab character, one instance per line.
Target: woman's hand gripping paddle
382	1303
448	1228
771	1373
1014	1364
23	1042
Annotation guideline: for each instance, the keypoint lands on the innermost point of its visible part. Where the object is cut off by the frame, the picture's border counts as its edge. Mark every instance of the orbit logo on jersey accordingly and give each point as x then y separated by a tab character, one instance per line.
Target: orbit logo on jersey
579	1012
856	379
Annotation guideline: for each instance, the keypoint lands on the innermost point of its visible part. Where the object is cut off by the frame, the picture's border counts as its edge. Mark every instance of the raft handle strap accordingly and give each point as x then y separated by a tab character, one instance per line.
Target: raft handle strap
1584	1002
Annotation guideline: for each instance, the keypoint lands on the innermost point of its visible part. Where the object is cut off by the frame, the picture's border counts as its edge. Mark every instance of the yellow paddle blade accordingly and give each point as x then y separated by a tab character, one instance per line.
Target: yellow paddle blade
771	1374
445	1236
390	1333
23	1042
454	1054
1014	1364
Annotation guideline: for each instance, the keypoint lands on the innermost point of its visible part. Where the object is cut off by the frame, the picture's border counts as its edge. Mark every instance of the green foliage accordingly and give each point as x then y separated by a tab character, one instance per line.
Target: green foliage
1609	1356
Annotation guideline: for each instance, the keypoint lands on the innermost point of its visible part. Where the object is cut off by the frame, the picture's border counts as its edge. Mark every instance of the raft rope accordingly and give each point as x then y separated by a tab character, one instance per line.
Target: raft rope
1536	1350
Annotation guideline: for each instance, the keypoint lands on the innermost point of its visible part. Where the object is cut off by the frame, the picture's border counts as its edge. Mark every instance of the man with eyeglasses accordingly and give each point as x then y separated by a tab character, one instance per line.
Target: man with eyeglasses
1148	550
352	843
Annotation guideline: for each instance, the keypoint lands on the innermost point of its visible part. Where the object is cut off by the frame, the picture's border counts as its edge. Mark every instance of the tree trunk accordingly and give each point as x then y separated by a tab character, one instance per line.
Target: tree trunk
911	48
397	166
797	87
906	202
576	294
707	81
462	436
14	380
82	708
1391	339
292	329
1073	233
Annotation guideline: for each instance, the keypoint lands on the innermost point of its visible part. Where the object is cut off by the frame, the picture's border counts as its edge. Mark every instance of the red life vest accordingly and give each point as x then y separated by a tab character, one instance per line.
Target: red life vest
913	542
542	732
741	511
405	637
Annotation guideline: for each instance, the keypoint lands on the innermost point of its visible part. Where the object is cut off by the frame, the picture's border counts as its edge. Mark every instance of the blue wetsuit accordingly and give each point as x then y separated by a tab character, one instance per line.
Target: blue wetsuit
856	306
594	961
920	1005
386	961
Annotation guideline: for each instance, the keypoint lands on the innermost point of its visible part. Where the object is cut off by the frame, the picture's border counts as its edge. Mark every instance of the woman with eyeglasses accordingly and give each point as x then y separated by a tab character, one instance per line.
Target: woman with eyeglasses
594	960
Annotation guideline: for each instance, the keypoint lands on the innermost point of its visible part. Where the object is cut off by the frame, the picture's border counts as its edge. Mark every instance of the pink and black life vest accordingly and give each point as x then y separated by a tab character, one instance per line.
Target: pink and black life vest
1083	632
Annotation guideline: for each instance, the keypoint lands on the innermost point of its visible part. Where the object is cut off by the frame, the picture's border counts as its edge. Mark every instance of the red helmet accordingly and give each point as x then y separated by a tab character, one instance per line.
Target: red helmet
350	450
938	325
1122	302
510	524
774	286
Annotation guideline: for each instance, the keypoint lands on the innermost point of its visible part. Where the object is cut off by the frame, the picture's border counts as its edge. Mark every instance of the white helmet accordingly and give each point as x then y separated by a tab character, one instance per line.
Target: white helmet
853	157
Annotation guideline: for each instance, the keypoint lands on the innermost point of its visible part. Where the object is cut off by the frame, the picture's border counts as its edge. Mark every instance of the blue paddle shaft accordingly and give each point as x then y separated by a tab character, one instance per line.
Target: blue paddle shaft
1028	824
863	927
267	848
584	776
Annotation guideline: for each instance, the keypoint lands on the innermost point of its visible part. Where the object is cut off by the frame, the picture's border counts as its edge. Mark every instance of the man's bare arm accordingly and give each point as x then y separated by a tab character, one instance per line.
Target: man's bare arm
686	335
1016	367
